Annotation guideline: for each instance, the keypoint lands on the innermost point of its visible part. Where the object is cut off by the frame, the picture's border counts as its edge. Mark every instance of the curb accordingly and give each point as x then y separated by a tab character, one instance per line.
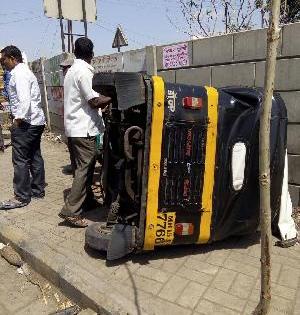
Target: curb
56	271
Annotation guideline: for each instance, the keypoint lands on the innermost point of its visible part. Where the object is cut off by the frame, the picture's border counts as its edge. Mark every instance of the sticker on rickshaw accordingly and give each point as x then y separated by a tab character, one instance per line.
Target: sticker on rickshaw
165	228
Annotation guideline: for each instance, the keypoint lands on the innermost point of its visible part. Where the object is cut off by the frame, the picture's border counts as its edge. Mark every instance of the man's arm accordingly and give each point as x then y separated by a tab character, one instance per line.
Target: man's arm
100	102
23	93
85	85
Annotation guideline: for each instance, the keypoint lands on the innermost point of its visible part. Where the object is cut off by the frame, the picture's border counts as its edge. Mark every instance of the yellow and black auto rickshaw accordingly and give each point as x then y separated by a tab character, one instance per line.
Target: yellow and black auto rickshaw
181	163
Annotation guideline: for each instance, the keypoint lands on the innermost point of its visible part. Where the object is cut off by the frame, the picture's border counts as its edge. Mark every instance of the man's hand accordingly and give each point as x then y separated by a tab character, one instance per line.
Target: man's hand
17	122
100	102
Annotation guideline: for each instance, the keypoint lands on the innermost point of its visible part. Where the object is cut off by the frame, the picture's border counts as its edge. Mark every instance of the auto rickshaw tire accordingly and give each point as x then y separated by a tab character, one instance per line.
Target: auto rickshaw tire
98	236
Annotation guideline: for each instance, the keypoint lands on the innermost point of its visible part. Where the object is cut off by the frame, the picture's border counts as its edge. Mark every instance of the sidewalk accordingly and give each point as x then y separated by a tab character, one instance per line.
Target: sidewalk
218	279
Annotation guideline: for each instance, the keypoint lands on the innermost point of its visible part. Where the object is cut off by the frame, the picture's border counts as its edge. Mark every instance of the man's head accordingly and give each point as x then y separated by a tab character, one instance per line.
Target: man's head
66	64
10	57
84	49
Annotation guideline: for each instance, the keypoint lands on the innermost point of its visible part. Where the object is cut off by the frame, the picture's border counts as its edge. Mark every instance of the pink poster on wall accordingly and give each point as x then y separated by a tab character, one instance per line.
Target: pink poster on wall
176	56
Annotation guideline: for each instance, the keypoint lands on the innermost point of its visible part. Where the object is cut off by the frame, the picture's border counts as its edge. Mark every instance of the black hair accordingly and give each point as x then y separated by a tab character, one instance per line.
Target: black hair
13	51
84	48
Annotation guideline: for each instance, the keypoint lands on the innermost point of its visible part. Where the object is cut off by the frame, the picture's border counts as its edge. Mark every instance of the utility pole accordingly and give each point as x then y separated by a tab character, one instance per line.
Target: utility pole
226	17
264	160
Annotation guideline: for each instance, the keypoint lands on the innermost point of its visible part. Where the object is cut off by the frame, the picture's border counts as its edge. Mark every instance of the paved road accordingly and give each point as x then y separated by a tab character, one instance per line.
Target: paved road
221	278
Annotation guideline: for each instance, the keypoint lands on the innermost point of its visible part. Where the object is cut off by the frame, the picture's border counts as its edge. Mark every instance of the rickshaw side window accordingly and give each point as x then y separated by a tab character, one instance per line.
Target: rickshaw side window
238	163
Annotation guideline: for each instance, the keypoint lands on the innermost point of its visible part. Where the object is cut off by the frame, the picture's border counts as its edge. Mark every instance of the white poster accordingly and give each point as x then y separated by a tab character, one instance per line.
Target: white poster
176	56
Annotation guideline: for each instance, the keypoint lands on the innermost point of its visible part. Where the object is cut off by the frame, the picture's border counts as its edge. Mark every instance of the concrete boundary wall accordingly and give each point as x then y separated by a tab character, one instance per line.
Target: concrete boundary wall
226	60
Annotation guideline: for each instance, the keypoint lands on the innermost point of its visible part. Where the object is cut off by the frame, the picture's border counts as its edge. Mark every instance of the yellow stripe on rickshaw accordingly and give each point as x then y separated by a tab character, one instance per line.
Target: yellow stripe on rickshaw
154	162
209	172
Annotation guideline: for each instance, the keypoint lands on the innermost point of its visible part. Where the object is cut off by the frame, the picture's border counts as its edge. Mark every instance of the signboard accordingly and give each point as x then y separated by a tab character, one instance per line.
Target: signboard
176	56
108	63
71	9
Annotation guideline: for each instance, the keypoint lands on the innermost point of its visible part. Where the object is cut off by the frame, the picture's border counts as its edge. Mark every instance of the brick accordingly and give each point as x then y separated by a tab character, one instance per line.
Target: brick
144	284
281	305
225	299
293	139
168	76
218	257
208	308
224	279
288	277
294	169
291	99
194	76
218	49
173	288
236	74
241	268
195	275
191	295
291	41
242	286
173	264
253	261
201	266
154	274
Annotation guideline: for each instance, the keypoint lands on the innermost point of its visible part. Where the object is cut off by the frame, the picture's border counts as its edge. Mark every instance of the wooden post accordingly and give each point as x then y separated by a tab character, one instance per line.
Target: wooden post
42	60
264	160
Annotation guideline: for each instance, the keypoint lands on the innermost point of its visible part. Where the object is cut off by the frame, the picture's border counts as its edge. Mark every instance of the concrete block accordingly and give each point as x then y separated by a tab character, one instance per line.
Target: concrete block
294	191
292	102
168	76
213	50
251	45
293	139
159	54
195	76
291	40
294	169
238	74
287	74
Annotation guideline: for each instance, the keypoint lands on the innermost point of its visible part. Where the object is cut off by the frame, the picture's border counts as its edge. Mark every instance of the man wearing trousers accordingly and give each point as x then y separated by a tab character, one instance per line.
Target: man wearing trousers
82	124
27	128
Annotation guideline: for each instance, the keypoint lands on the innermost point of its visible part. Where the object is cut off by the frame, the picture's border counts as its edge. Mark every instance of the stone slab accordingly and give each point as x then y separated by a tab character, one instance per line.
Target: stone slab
291	40
194	76
236	74
287	74
208	51
293	139
255	48
168	76
294	169
294	191
292	102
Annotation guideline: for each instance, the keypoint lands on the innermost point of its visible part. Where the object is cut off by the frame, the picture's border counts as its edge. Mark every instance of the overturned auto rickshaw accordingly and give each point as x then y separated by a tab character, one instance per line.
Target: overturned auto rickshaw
181	165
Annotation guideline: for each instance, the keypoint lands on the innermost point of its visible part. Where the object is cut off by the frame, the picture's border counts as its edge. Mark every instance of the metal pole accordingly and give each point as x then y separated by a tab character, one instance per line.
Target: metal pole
61	26
69	37
84	17
72	39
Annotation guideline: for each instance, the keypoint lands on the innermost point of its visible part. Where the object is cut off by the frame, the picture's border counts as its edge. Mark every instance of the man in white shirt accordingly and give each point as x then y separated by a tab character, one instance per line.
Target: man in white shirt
82	124
26	131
